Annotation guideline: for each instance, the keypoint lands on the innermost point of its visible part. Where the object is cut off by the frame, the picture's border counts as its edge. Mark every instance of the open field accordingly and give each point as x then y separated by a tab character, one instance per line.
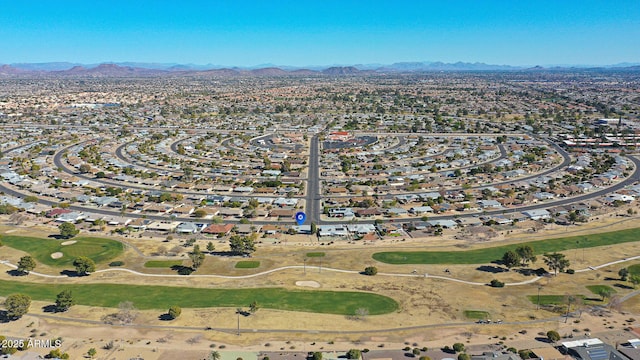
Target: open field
161	297
98	249
490	254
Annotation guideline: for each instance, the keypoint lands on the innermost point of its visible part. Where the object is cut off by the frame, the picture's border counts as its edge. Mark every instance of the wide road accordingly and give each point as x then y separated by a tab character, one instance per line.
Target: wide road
312	199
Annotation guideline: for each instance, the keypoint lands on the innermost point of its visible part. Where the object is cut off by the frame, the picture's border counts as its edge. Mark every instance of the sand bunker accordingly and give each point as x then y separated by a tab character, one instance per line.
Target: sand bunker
57	255
70	242
313	284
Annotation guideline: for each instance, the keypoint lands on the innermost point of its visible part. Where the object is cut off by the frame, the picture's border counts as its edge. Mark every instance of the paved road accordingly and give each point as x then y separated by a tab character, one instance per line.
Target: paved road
312	199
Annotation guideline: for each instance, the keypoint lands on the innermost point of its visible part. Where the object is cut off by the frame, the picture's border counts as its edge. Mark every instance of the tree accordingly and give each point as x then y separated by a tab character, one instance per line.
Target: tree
210	247
57	354
26	264
635	280
64	300
241	245
556	262
605	292
85	168
370	270
526	254
17	305
314	228
84	265
317	355
510	259
458	347
31	199
125	315
174	312
197	257
200	213
624	274
253	307
92	352
68	230
464	356
354	354
553	335
214	355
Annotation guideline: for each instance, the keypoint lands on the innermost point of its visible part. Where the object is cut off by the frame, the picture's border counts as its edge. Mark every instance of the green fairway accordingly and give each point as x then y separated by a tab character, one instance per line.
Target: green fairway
476	314
315	254
487	255
99	250
162	263
247	264
161	297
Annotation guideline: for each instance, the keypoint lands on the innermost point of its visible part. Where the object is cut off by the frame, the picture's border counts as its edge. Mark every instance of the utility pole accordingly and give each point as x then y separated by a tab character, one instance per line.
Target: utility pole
538	306
238	312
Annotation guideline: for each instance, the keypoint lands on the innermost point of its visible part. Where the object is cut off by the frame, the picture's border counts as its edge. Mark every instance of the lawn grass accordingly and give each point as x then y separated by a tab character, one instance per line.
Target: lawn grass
248	264
162	263
98	249
487	255
596	289
476	314
552	299
161	297
634	269
315	254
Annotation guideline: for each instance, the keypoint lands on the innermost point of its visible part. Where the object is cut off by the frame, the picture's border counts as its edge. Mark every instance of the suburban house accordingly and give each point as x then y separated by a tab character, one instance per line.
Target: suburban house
218	229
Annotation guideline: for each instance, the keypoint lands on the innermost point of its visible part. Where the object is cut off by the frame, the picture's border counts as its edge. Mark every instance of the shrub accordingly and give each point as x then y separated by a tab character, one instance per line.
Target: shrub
458	347
496	283
525	354
571	271
116	263
174	312
354	354
370	270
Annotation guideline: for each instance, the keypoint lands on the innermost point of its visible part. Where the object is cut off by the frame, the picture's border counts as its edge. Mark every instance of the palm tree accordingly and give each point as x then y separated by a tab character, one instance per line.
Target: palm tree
214	355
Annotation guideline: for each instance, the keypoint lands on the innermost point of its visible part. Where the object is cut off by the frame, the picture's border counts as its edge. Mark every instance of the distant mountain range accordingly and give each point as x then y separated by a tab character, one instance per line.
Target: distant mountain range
134	69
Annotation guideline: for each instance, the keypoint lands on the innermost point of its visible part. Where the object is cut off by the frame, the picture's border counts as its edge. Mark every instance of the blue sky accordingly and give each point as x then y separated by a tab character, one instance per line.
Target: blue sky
245	33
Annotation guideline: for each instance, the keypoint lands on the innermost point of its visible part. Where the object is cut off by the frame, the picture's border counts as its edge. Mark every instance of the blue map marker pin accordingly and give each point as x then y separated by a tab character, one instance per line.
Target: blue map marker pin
300	217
